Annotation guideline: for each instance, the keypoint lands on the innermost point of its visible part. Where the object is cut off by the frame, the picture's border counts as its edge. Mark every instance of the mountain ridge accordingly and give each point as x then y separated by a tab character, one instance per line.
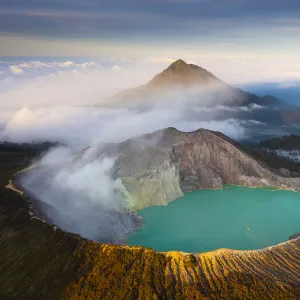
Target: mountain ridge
181	77
183	74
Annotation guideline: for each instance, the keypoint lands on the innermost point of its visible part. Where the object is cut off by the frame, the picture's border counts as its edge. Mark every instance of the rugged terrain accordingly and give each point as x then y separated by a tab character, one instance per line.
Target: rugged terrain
40	261
157	168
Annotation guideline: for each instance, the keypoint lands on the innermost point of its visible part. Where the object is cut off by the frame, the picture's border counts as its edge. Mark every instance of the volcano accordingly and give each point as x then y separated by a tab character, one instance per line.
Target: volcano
182	79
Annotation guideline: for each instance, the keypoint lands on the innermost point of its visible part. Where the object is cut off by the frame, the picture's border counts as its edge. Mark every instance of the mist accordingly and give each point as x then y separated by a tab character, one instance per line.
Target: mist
75	189
72	108
80	196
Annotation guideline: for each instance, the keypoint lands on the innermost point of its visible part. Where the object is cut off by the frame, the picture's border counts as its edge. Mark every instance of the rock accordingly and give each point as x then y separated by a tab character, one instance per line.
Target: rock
285	172
295	236
295	174
157	168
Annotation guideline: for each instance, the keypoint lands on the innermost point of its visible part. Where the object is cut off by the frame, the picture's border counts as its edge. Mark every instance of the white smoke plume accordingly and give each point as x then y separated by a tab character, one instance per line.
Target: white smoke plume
80	195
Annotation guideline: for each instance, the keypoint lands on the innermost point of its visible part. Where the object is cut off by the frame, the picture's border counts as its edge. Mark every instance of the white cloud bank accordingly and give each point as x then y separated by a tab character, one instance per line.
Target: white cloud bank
16	69
60	106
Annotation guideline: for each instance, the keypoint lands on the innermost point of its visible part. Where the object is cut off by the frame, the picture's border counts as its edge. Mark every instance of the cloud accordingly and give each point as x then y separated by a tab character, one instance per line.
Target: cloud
227	108
70	107
116	68
36	64
236	70
169	28
49	85
80	127
251	122
66	64
15	70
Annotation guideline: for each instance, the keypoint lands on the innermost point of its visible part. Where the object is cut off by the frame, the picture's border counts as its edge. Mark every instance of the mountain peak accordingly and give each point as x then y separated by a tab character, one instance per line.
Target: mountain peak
177	63
181	74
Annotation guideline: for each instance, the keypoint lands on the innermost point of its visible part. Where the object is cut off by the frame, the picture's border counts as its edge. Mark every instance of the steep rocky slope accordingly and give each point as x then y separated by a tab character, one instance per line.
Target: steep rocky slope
157	168
39	261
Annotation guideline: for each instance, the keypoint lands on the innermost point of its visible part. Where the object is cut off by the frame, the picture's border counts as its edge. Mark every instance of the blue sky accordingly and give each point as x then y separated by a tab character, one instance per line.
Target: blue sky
159	27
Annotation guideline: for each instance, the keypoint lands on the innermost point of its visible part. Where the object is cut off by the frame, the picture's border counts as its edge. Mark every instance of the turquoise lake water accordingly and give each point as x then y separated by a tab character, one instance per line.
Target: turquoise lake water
233	217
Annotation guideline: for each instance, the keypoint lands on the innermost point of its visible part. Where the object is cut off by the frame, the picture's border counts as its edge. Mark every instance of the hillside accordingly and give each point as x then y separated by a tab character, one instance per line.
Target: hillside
191	81
39	261
170	162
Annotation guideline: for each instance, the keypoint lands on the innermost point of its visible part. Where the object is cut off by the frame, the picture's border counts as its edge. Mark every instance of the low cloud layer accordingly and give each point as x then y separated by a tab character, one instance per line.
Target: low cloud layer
65	106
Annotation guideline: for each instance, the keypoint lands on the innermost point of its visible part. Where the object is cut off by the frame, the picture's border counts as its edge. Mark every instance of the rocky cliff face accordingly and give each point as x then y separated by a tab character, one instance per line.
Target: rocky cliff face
209	161
157	168
157	186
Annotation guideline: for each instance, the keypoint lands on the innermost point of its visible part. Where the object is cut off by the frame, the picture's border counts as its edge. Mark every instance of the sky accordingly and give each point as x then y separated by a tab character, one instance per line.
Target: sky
180	28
